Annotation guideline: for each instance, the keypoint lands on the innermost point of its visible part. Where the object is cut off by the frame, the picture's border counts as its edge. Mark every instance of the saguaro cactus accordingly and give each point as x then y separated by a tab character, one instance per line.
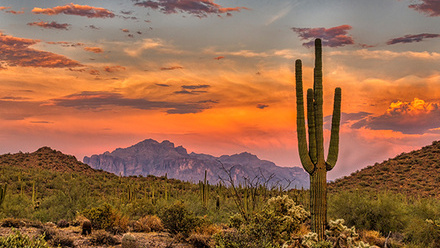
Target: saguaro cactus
312	158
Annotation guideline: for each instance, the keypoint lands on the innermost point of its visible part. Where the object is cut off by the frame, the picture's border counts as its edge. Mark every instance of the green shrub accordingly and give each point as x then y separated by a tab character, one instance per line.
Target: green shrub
18	240
106	217
177	219
272	226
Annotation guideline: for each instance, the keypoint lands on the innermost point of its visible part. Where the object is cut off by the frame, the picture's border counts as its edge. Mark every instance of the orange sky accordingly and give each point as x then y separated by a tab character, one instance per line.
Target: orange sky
216	76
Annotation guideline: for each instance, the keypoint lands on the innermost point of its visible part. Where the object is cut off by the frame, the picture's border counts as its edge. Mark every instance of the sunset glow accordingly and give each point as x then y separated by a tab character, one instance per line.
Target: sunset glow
217	76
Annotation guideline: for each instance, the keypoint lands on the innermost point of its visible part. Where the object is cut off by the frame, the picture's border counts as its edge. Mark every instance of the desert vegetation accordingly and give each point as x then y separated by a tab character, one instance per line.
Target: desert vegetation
45	207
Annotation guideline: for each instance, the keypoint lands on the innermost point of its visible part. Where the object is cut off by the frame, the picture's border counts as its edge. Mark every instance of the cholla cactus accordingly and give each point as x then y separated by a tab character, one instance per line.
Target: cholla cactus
342	236
312	157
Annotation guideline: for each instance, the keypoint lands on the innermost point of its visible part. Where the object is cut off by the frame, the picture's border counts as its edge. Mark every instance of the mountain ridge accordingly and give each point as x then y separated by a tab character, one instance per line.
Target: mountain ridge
149	157
406	173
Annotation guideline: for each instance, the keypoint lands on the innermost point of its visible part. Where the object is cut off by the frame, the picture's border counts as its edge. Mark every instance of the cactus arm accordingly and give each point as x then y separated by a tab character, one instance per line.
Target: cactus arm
311	125
300	123
317	87
334	138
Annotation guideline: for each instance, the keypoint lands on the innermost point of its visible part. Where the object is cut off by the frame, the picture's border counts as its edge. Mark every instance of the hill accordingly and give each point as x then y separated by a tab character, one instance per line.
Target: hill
46	158
415	173
150	157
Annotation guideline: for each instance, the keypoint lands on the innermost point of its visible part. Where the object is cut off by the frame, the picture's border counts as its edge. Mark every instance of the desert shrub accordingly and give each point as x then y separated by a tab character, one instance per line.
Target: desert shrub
149	223
18	240
102	237
177	219
272	226
12	222
48	232
199	240
384	212
63	223
106	217
129	241
61	241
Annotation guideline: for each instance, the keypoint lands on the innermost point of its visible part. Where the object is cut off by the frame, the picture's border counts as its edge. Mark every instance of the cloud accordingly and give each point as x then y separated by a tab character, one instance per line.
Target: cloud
114	68
198	8
163	85
8	10
262	106
139	47
171	68
94	49
193	87
219	57
429	7
415	117
15	51
332	37
54	25
99	100
75	9
412	38
93	27
125	30
65	43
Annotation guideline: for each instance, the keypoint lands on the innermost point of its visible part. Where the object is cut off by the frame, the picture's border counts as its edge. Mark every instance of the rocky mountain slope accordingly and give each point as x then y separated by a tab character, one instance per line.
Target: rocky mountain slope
415	173
150	157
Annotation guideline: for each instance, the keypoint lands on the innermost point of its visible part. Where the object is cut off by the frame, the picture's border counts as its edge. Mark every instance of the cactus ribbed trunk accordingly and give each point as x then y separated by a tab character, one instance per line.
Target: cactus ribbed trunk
312	156
318	200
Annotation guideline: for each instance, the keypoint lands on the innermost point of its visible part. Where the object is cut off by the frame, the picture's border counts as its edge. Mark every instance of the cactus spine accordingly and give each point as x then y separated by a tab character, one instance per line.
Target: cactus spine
312	158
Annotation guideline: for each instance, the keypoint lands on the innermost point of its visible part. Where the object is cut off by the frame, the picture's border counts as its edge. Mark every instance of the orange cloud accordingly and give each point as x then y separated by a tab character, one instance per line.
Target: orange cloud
15	51
55	25
75	9
198	8
94	49
219	57
415	117
114	68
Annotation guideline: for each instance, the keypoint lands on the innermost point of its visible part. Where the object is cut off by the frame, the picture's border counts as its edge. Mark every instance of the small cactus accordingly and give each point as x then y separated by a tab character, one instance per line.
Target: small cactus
129	241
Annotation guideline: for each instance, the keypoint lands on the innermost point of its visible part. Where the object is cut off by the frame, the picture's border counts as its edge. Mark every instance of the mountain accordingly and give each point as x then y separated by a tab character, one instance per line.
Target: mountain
150	157
415	173
46	158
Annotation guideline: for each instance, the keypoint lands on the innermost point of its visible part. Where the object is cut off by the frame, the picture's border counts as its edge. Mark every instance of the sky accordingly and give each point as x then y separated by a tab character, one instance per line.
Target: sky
217	76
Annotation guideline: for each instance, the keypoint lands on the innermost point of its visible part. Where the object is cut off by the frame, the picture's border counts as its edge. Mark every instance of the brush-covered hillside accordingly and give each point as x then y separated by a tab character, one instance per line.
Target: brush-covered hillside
415	173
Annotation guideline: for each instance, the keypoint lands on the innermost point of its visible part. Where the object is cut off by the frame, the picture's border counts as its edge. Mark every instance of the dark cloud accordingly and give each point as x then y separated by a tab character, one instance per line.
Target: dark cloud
332	37
94	49
262	106
42	122
15	51
126	12
428	7
198	8
171	68
412	38
163	85
99	100
416	117
50	25
193	87
184	92
75	9
93	27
